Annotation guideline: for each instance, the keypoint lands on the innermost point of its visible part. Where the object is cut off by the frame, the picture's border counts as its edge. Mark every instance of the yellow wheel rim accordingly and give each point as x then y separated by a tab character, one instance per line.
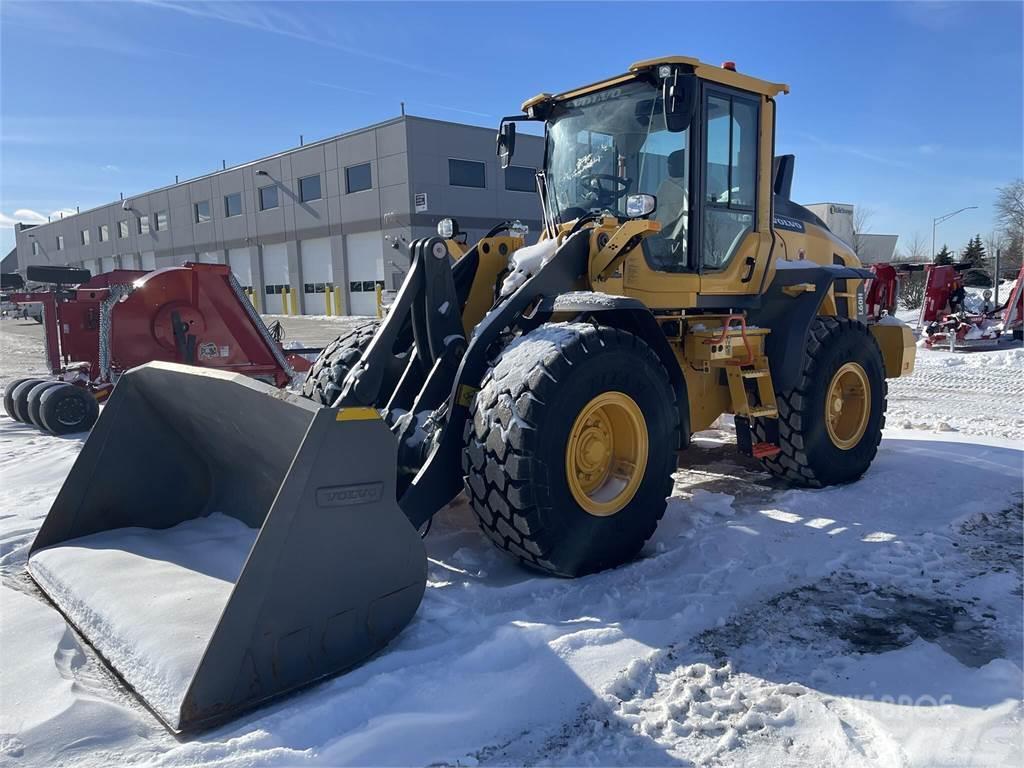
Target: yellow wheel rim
848	406
606	455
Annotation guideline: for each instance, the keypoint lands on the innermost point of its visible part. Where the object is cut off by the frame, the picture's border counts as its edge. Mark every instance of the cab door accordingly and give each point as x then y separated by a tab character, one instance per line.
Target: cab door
732	224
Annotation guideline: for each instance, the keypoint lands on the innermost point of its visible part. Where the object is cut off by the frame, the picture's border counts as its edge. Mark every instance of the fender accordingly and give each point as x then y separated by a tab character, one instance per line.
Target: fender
789	306
630	315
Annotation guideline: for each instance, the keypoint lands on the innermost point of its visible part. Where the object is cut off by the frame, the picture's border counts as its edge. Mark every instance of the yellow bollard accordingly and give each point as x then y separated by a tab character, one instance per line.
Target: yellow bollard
327	299
337	301
380	301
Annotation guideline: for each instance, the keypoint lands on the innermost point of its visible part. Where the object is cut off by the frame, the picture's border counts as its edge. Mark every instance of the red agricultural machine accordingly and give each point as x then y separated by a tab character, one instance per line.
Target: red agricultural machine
949	318
98	327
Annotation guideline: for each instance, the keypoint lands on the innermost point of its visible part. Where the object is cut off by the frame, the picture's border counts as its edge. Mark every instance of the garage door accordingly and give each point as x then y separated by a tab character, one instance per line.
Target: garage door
108	263
149	260
129	261
209	257
364	255
93	265
241	268
276	296
317	276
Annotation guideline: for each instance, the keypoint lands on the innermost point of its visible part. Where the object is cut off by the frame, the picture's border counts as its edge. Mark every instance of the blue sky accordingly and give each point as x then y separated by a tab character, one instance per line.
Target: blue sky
911	110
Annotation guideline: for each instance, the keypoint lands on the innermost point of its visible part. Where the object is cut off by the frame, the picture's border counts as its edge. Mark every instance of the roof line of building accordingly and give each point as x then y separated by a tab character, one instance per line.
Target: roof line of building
283	152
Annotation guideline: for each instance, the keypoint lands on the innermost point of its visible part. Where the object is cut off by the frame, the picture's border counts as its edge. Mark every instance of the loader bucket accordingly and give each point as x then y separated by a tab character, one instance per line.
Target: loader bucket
220	542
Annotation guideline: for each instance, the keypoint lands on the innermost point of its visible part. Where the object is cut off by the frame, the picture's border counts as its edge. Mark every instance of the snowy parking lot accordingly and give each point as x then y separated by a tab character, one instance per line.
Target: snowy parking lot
874	624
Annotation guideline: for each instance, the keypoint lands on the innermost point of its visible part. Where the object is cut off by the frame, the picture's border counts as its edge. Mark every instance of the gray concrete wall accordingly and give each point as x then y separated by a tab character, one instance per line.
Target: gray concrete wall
406	156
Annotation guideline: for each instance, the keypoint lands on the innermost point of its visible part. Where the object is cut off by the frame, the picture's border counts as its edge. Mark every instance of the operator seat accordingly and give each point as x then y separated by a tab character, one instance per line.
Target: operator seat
667	251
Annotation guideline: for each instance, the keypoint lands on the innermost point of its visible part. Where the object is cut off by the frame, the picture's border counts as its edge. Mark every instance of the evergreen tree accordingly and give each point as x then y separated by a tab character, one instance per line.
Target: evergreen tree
974	254
944	256
974	258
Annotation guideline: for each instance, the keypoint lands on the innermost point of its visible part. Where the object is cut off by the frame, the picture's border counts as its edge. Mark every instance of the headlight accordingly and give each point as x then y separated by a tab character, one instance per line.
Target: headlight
640	205
518	229
447	228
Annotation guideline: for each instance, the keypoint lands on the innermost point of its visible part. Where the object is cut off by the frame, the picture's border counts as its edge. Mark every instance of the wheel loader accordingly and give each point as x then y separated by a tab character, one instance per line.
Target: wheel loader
266	540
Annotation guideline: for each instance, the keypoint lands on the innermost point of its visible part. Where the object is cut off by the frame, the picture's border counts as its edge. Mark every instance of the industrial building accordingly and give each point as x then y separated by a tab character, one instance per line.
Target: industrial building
308	230
870	248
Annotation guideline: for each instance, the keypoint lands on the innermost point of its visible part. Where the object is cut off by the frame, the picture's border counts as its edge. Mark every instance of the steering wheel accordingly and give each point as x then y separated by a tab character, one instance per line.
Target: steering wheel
605	188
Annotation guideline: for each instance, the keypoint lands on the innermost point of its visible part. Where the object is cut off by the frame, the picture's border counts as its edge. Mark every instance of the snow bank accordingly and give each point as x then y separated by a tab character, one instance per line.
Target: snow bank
149	600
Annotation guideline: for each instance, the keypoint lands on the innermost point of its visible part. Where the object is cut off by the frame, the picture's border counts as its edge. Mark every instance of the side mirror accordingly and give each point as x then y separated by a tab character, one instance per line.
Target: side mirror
506	143
640	205
679	95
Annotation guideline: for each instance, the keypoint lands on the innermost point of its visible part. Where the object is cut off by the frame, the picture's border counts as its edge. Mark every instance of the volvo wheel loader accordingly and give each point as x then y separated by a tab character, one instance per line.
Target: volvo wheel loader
220	542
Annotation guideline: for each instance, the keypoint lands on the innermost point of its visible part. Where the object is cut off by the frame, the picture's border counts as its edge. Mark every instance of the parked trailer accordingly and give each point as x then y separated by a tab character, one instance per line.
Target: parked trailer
96	328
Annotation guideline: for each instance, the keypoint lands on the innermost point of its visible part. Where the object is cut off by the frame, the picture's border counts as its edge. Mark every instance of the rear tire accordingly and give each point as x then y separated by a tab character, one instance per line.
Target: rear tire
324	380
32	406
9	396
813	454
19	399
519	443
67	409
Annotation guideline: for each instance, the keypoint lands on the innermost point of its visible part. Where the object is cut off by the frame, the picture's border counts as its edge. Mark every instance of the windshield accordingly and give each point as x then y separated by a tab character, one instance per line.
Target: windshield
607	145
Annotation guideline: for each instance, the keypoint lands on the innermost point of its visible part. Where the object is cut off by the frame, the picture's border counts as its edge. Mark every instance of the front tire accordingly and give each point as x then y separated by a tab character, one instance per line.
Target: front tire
830	423
324	380
570	448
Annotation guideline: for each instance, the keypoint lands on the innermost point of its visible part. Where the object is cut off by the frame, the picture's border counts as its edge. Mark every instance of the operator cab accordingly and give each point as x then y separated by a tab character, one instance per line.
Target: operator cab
704	163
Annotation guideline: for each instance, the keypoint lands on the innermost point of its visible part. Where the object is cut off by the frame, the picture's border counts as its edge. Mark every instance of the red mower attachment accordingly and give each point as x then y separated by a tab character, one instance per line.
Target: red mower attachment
948	323
196	314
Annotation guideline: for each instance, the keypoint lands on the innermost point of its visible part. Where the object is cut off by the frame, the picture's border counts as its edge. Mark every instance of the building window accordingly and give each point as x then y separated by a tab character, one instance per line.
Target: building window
233	204
358	178
103	231
202	211
466	173
519	178
84	236
122	228
144	224
309	188
160	221
365	286
60	242
35	248
268	198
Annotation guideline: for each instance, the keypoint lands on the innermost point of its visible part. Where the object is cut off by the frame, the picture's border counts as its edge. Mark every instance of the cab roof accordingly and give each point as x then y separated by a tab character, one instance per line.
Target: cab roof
703	70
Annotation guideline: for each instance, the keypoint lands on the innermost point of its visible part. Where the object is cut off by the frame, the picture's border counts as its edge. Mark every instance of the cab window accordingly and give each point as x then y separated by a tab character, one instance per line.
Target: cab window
730	176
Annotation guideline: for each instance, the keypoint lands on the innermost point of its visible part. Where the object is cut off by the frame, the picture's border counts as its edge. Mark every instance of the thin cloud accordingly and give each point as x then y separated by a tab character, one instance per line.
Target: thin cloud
70	29
273	20
854	151
28	216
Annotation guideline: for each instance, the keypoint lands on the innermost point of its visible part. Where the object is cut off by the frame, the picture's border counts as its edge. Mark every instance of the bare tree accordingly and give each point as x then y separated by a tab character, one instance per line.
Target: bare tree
1010	206
1010	218
916	251
911	284
861	226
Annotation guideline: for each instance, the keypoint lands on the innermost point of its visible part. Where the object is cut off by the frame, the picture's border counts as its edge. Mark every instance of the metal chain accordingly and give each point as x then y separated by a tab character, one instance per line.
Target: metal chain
260	326
116	293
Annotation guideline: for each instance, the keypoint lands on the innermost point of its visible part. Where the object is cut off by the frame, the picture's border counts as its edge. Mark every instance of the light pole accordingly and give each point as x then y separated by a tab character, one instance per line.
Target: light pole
945	217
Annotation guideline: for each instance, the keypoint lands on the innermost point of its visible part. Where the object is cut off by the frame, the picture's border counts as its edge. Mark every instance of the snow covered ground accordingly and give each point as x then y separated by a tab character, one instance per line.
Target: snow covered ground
876	624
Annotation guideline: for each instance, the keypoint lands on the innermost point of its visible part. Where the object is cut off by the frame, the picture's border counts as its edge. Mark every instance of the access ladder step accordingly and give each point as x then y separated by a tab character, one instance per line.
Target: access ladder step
763	413
758	373
765	450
